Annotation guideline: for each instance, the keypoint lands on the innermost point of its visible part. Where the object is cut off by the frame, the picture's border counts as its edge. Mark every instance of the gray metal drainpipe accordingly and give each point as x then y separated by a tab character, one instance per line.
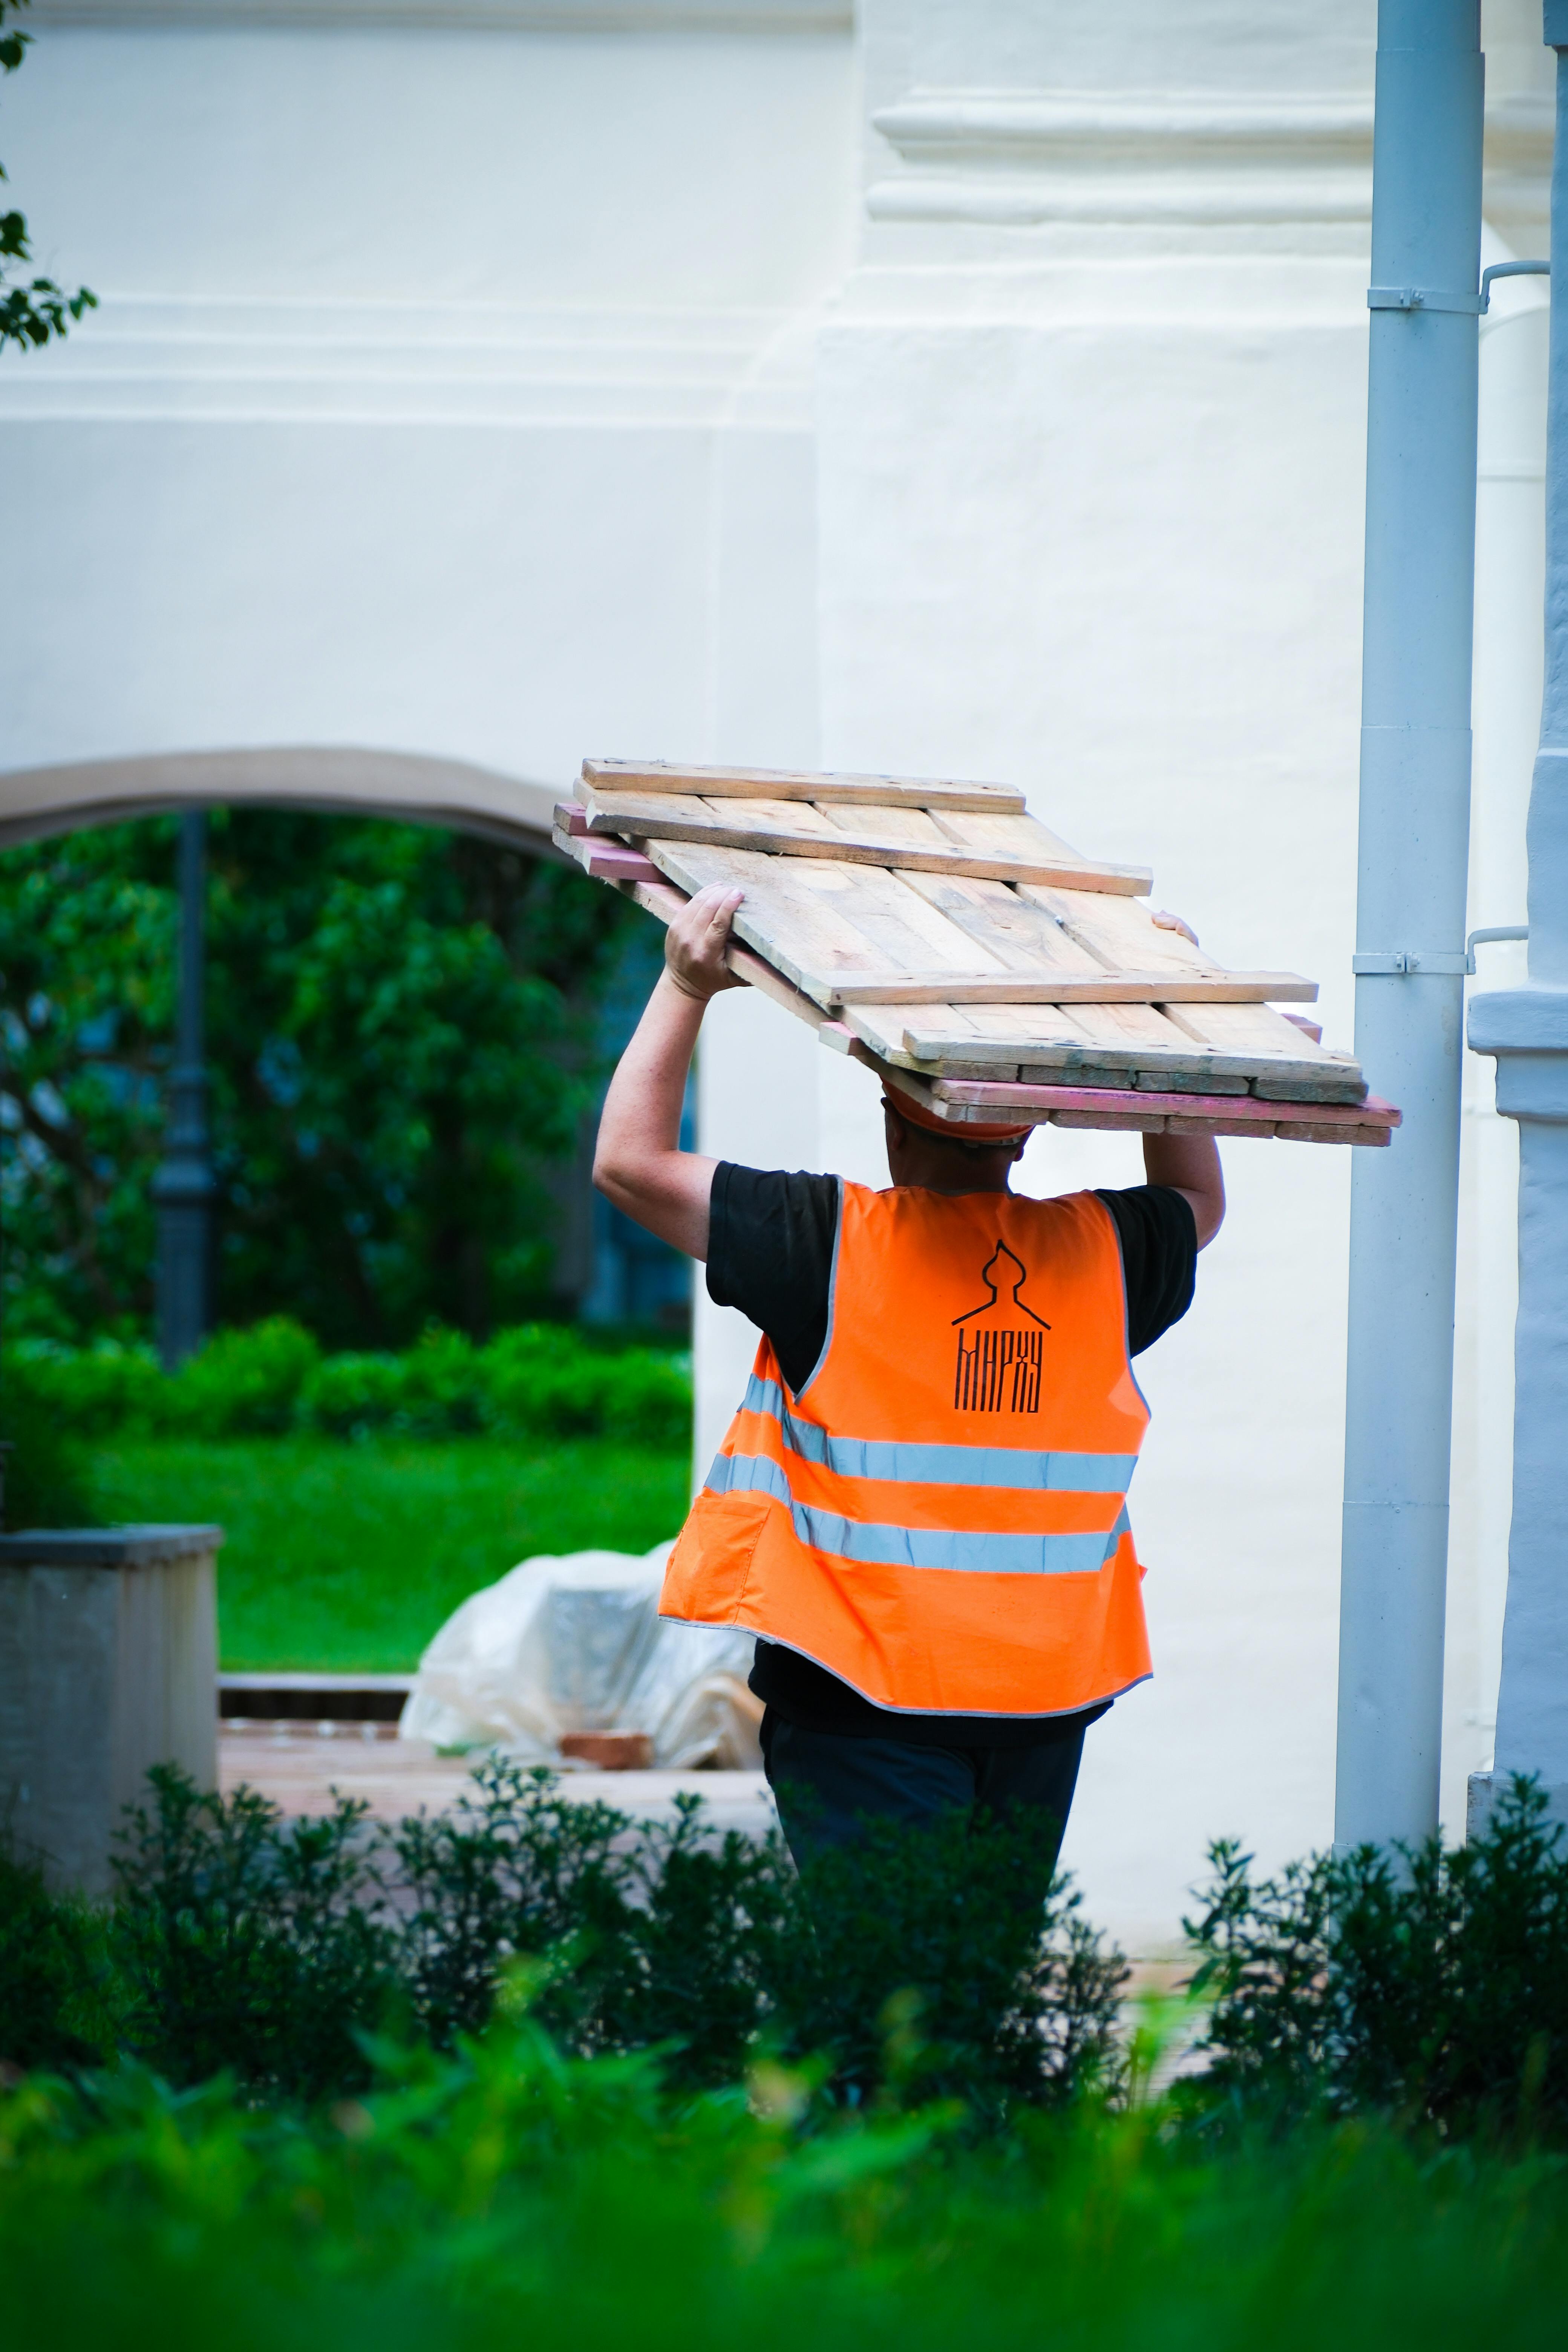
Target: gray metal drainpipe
1527	1029
1410	909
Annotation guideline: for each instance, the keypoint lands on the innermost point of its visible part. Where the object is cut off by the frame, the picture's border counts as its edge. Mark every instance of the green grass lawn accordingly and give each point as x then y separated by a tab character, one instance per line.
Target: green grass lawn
346	1557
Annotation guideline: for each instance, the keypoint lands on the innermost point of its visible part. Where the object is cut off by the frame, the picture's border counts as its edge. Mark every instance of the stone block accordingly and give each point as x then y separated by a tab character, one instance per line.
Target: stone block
108	1666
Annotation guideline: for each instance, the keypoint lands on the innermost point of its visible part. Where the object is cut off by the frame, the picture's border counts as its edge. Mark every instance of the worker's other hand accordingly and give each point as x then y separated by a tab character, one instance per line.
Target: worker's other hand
695	942
1173	923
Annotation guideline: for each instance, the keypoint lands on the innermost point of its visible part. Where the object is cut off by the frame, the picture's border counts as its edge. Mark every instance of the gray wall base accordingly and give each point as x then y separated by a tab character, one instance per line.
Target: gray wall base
1487	1788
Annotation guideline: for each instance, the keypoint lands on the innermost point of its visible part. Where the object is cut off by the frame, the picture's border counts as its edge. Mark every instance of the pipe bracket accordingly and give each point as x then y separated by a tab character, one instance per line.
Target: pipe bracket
1422	297
1402	962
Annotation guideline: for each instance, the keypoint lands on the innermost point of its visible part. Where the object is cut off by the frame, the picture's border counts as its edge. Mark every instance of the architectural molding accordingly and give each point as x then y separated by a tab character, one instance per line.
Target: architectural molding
222	358
37	802
585	16
1027	157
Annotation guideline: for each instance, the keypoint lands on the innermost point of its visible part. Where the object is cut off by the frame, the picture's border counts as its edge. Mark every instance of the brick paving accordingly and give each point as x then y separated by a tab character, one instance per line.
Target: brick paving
300	1766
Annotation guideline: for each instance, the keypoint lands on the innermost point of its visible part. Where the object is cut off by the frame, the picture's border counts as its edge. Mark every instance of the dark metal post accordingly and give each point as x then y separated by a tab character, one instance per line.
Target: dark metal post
182	1187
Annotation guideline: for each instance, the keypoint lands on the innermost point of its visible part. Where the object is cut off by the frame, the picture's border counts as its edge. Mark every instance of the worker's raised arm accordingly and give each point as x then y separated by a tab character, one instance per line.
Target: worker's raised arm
1189	1164
638	1164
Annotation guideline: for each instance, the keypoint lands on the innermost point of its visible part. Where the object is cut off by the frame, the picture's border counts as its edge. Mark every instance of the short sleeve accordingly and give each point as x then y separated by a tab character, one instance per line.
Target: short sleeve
1159	1241
770	1252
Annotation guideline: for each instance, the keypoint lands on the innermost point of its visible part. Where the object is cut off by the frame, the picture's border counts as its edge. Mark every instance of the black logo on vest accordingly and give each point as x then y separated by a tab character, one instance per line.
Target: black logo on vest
998	1368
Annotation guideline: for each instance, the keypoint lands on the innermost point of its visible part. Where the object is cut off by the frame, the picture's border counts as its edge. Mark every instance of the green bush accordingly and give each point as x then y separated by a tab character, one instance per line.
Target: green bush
242	1383
56	1981
90	1392
47	1482
540	1380
511	2194
351	1396
651	1936
248	1944
268	1948
998	2002
1430	1984
543	1380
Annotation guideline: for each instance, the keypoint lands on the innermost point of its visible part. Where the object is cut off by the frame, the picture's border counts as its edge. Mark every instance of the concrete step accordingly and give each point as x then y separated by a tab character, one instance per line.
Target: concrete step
313	1698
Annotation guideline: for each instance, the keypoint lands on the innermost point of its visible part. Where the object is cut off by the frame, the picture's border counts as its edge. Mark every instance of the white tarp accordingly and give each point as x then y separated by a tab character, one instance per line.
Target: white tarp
574	1643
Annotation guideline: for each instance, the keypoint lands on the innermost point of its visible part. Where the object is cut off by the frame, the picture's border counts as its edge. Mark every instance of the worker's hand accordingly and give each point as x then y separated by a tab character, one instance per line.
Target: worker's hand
695	942
1174	923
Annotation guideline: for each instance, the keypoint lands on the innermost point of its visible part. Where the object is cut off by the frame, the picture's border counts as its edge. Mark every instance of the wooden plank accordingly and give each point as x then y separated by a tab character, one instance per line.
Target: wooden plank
1280	1056
822	922
996	1032
1115	1122
1124	936
604	861
663	899
779	905
1017	837
882	1031
791	829
1092	1108
1208	1124
1312	1133
798	784
1278	1086
1159	1049
1096	1075
630	814
1248	1029
1102	987
985	1098
911	828
1020	934
913	932
1127	1045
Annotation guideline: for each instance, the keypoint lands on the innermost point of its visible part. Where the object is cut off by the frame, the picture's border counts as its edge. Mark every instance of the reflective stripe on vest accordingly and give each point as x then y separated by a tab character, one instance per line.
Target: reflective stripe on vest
938	1515
970	1551
939	1465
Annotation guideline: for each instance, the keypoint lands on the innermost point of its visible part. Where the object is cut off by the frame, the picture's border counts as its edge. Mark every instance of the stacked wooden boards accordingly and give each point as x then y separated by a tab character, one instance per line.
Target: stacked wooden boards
943	936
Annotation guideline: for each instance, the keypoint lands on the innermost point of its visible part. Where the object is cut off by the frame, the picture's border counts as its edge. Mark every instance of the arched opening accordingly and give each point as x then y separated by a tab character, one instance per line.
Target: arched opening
421	788
463	800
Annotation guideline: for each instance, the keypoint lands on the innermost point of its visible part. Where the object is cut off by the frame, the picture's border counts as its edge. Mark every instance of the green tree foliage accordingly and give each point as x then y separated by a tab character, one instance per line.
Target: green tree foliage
31	311
87	1008
400	1034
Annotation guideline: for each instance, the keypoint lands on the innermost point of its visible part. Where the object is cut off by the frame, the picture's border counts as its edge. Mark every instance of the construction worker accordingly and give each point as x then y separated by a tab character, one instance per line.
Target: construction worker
919	1508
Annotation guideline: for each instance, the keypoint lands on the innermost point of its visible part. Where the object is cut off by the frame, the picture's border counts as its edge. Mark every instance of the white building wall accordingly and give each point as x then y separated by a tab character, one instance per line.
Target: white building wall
978	391
446	387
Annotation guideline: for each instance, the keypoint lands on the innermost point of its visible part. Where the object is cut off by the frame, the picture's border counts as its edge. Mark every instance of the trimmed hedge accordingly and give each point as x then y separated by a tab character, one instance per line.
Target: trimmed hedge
544	1378
268	1948
1429	1983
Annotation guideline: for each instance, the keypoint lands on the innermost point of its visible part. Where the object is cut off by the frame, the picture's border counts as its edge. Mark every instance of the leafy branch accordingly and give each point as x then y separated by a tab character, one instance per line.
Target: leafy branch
30	312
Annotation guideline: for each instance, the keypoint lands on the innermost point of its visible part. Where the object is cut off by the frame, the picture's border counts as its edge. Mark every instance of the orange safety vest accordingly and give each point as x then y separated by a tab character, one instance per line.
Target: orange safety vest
939	1517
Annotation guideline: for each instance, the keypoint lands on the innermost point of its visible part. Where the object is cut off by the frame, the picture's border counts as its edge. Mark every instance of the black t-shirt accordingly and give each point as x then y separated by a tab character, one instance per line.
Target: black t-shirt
770	1252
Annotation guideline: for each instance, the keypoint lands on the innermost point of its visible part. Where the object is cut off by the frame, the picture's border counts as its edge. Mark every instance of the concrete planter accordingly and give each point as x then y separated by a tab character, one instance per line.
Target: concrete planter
108	1666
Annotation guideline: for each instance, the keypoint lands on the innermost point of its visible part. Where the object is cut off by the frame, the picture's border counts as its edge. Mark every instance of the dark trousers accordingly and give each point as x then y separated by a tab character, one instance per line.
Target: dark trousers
826	1782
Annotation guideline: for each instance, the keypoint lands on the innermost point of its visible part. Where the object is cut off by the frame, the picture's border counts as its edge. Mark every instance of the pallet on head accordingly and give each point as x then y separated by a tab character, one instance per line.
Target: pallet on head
979	992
